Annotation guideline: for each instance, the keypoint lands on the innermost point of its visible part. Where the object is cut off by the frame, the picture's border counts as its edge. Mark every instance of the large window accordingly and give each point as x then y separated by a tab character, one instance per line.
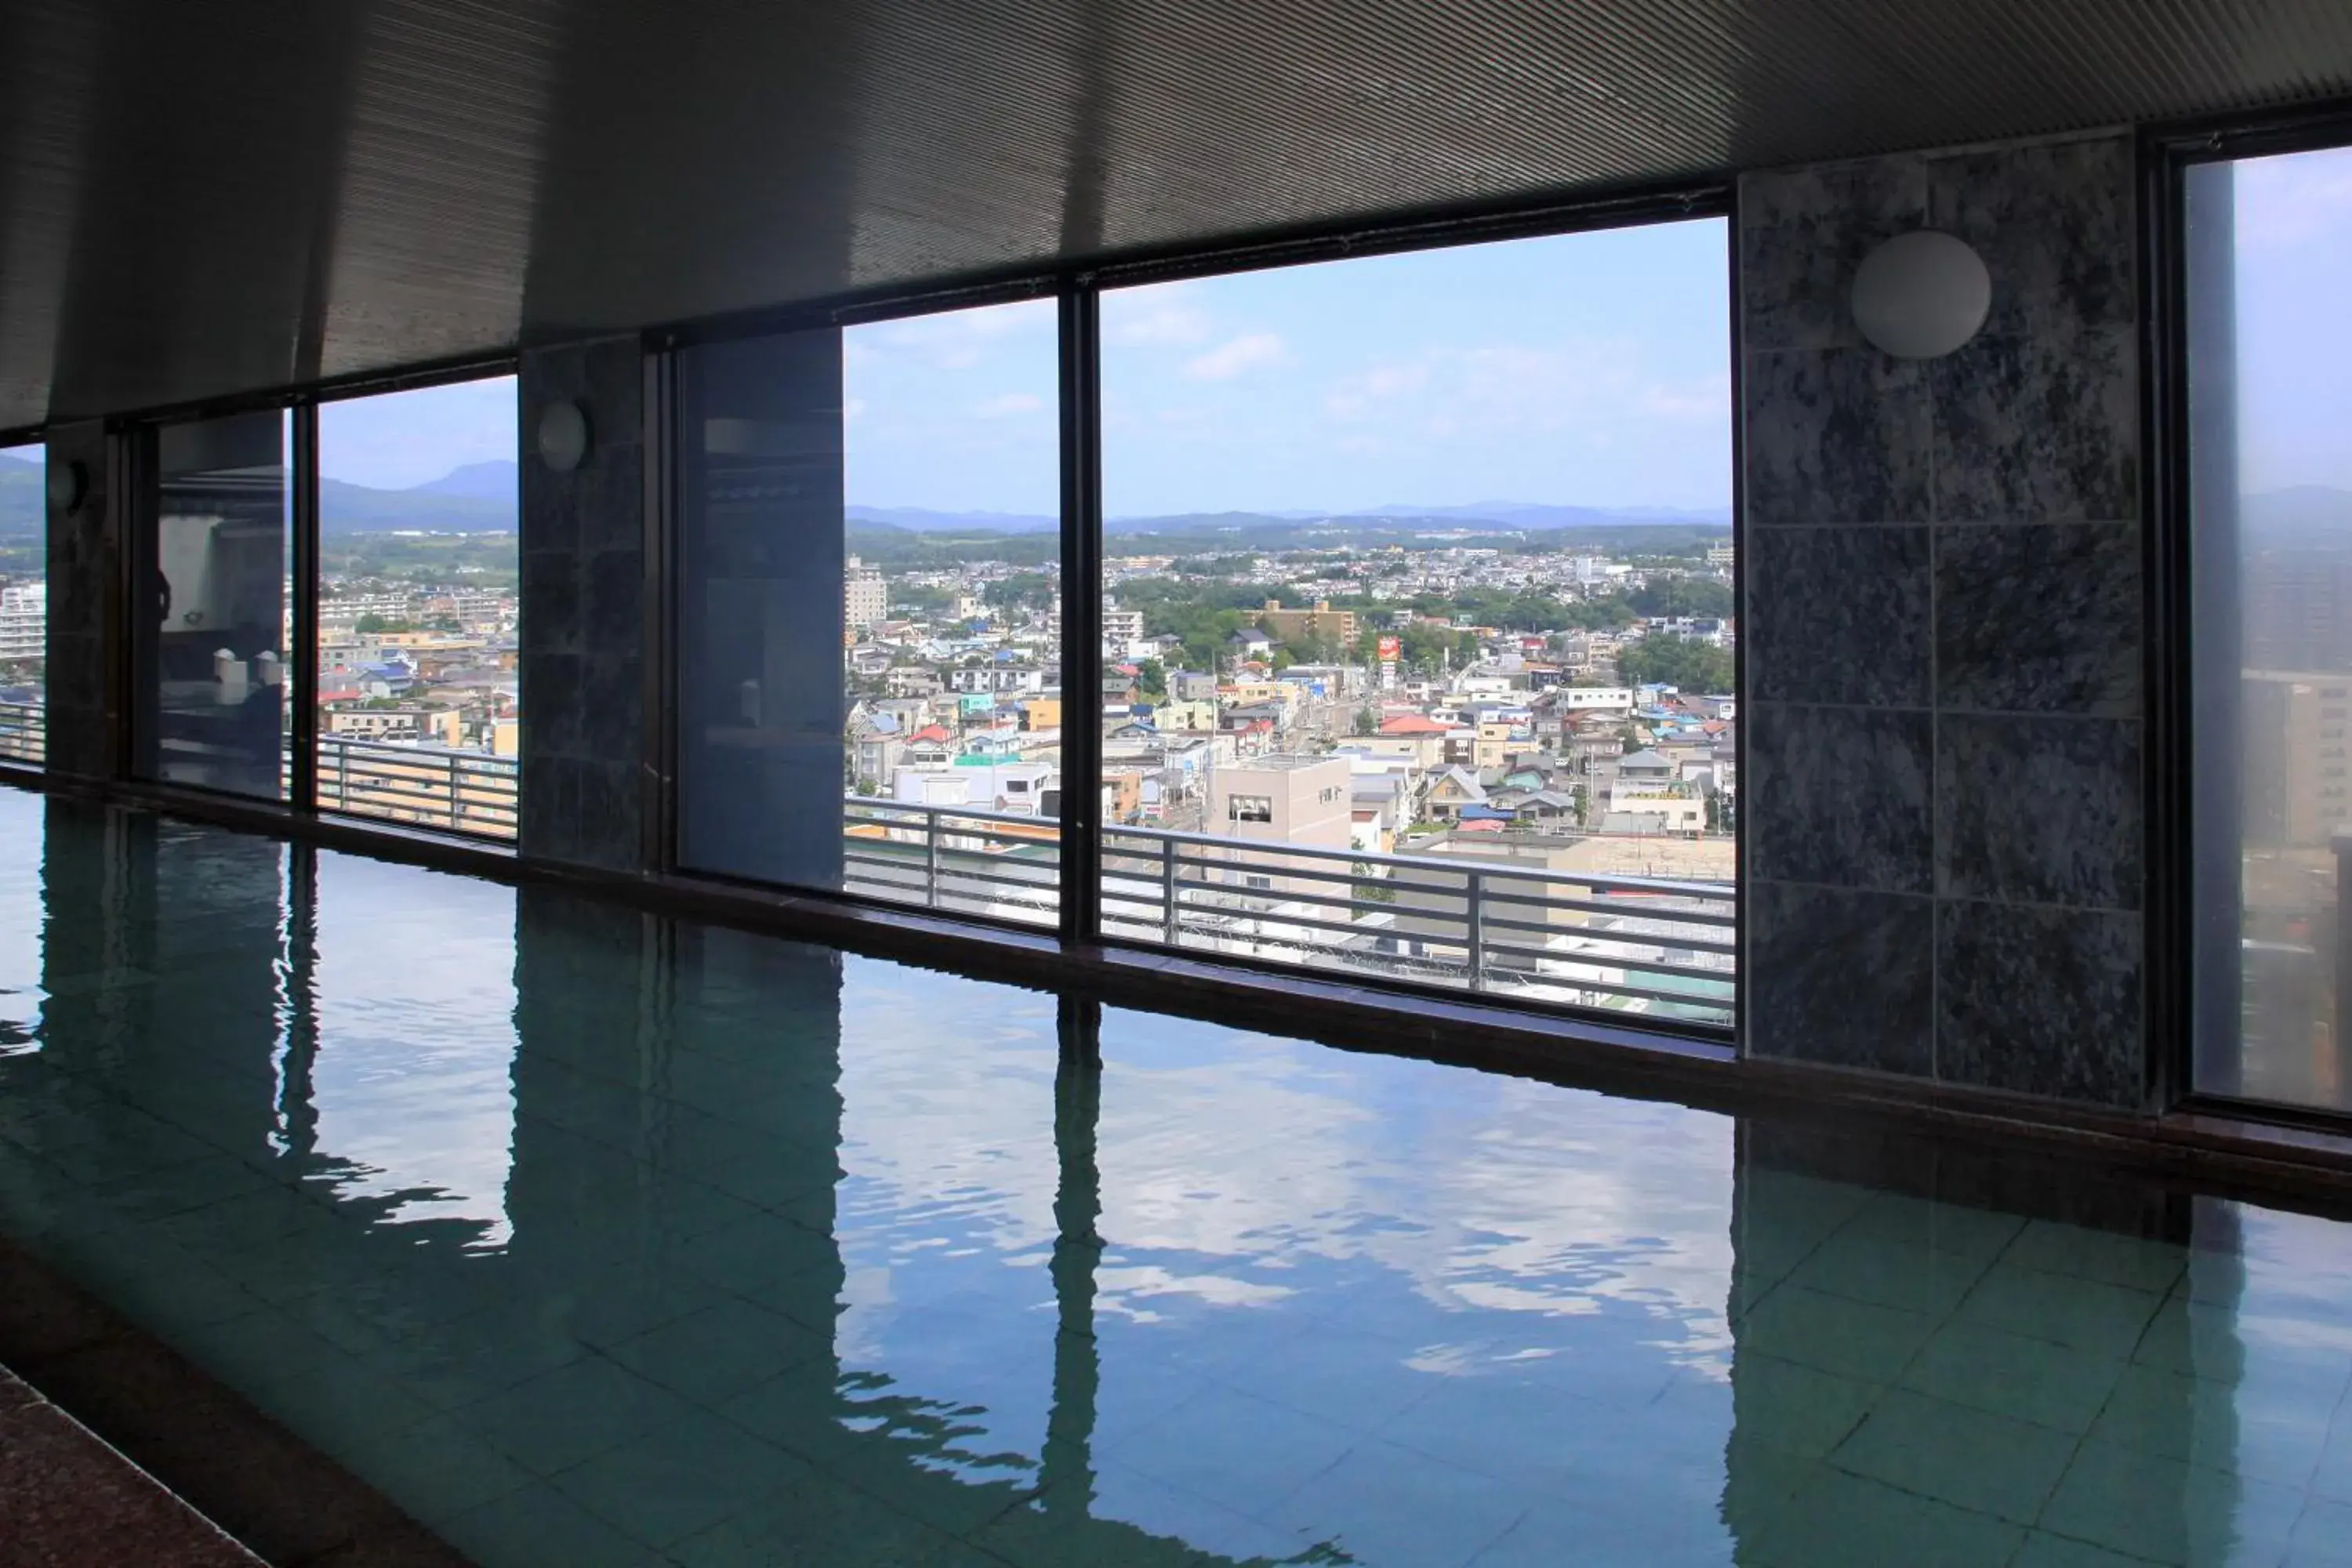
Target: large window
418	706
24	603
869	611
2268	247
212	608
1418	630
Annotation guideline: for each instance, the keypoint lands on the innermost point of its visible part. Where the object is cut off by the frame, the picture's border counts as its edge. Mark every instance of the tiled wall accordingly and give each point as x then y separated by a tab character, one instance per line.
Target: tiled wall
1942	578
82	576
583	627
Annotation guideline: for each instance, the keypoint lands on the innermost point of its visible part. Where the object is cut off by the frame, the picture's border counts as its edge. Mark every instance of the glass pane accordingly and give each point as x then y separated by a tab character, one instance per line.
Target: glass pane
1420	587
24	602
419	607
2269	241
215	683
869	670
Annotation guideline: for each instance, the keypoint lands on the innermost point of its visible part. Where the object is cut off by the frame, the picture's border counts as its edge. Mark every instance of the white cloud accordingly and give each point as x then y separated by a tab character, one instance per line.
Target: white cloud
1155	316
1705	399
1011	406
1230	358
1356	394
2293	199
852	407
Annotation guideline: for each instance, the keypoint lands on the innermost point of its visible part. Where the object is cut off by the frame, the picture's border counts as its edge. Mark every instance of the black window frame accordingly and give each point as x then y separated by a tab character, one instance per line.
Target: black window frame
131	439
1078	291
2192	984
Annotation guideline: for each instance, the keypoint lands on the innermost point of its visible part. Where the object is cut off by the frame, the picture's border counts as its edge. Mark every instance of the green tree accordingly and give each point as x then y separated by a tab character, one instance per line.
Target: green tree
1152	679
1020	591
1680	662
1682	597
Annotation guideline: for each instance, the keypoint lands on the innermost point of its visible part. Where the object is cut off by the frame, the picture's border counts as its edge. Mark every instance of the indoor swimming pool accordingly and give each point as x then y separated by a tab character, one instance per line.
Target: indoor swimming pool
592	1236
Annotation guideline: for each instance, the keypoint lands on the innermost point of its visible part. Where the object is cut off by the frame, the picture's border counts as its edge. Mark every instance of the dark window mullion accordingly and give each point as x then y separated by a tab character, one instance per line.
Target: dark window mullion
1081	457
302	682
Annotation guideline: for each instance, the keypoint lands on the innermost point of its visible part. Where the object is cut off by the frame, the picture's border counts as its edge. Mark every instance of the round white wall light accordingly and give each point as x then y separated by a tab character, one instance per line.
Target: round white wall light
563	436
69	481
1921	295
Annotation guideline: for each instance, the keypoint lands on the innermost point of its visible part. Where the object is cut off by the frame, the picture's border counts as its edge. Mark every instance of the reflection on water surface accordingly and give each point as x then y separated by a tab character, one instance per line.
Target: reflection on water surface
590	1237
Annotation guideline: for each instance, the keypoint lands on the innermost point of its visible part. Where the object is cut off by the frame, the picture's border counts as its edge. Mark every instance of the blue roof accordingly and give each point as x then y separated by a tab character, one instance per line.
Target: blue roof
1484	814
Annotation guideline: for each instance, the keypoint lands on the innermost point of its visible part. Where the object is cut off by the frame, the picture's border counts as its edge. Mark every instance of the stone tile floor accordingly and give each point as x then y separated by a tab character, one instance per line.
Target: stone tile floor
590	1237
67	1501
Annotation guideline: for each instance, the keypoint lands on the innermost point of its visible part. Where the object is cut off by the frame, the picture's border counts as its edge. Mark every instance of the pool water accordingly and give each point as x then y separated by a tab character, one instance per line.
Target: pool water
596	1237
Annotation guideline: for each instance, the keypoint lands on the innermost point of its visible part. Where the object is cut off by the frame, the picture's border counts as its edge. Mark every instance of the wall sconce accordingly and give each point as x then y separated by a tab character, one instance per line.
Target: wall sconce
563	436
69	481
1921	295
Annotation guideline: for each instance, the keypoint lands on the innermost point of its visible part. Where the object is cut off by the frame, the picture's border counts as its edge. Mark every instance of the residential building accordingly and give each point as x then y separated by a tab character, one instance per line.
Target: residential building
864	595
1321	624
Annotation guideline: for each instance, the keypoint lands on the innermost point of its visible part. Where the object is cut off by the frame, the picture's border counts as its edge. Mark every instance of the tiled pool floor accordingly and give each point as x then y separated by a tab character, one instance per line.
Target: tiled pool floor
593	1238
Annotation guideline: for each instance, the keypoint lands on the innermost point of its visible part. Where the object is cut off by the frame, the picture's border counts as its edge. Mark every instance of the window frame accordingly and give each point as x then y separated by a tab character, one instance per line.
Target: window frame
2190	986
1078	291
132	440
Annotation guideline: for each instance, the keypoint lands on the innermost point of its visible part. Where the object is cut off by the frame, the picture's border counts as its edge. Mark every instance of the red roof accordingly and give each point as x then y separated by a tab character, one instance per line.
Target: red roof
928	732
1414	724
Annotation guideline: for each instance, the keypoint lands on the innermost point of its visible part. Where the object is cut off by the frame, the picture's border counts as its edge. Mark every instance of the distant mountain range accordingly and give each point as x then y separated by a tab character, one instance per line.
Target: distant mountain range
480	498
915	520
499	479
1518	516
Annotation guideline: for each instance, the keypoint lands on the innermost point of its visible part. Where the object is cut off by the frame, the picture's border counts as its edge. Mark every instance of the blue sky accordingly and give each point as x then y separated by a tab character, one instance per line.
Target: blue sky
2294	319
404	438
1590	368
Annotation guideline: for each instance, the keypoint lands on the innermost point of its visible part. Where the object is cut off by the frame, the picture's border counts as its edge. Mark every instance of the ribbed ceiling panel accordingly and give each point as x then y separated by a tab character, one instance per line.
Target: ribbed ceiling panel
199	197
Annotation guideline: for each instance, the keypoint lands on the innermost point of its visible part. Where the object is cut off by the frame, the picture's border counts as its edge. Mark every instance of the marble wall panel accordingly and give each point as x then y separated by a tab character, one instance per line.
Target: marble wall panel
1839	435
582	612
2054	225
2038	428
2039	810
2038	618
1838	614
2041	1001
1842	978
1803	231
1950	709
1838	796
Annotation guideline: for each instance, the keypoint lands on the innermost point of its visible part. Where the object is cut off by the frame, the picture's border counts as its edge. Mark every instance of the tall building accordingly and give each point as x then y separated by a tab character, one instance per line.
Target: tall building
1338	626
2297	779
24	620
865	596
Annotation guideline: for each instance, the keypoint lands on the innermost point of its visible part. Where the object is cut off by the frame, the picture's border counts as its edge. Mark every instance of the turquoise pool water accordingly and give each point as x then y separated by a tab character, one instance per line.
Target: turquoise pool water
594	1238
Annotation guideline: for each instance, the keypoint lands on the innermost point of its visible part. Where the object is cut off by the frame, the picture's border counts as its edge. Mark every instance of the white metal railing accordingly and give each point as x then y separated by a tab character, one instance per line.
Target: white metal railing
953	857
24	732
429	786
1480	920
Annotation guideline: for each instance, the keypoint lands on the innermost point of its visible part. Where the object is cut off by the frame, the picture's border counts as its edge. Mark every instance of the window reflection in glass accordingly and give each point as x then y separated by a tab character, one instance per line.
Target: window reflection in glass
870	615
213	598
24	603
2268	244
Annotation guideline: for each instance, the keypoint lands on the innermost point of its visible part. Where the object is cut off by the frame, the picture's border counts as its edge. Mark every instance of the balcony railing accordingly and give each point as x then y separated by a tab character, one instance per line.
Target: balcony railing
1484	920
425	786
1491	920
1488	920
24	732
950	858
